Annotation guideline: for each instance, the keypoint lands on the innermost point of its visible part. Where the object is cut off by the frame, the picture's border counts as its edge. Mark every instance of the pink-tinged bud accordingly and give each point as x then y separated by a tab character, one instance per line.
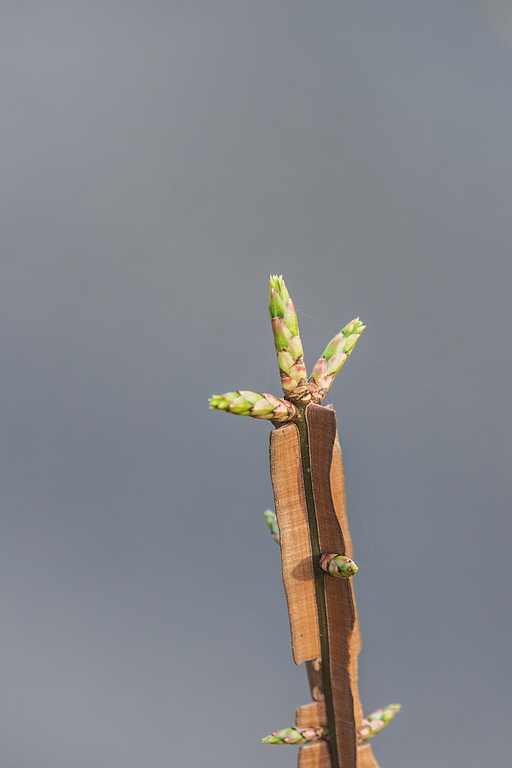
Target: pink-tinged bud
273	527
377	721
284	411
274	401
388	713
323	384
247	403
338	565
298	371
333	358
295	736
285	328
288	384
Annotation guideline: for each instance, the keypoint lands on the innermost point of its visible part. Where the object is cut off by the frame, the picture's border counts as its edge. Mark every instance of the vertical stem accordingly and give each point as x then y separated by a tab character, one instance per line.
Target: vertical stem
302	426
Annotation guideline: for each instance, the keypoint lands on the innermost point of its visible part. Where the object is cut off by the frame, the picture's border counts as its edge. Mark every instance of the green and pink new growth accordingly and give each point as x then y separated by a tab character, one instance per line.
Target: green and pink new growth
300	392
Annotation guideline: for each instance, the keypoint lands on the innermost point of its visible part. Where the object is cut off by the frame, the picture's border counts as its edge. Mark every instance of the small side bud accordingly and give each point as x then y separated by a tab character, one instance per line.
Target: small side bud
273	527
338	565
378	720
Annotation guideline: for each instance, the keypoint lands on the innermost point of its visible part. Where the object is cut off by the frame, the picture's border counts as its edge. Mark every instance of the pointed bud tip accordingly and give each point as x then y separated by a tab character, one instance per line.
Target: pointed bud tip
277	284
355	326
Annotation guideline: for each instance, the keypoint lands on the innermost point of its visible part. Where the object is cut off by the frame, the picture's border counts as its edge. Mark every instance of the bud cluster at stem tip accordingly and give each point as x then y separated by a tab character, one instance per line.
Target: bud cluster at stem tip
298	390
285	328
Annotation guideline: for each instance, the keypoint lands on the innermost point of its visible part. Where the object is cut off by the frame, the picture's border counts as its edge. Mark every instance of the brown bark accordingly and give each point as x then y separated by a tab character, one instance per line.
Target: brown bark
307	476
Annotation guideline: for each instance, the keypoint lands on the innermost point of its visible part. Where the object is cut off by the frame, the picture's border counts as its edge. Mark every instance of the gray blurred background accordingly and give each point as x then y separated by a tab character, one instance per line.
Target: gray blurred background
159	160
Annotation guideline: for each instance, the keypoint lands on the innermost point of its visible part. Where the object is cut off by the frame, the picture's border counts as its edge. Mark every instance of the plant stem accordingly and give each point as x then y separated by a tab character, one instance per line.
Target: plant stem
302	427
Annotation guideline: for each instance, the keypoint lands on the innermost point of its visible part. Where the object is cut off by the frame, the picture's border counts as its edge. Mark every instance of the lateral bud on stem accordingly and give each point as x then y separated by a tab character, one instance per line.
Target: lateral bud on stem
273	527
247	403
377	721
338	565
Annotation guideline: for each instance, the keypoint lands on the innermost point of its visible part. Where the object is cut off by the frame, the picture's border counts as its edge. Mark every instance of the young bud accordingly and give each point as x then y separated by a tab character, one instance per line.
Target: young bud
285	328
338	565
378	720
295	736
355	326
334	356
247	403
273	527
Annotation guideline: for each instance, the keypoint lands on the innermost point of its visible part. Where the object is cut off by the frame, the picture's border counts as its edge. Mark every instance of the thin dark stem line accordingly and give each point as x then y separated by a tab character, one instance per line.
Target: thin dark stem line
302	426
